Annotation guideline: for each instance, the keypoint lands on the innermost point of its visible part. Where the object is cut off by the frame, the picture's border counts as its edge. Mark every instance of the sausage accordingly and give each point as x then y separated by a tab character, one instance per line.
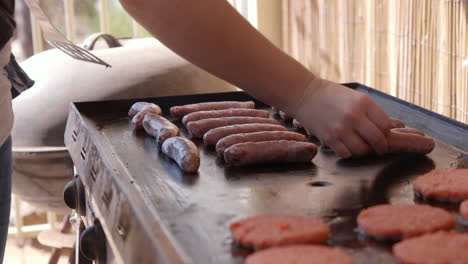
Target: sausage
184	152
195	116
159	127
214	135
297	124
182	110
233	139
396	123
278	151
139	110
140	106
285	116
282	114
137	120
409	130
198	128
412	143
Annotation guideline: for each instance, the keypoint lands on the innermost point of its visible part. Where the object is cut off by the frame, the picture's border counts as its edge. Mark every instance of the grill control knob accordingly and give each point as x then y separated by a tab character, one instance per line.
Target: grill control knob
74	196
93	243
70	194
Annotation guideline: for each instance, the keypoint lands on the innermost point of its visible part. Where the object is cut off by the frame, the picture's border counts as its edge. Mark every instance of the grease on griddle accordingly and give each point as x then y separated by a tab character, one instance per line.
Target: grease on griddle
404	168
239	250
460	162
264	170
326	150
319	183
362	235
448	204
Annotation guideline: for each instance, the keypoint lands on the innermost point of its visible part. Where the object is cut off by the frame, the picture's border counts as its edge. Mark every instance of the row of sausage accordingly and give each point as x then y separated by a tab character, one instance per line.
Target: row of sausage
243	135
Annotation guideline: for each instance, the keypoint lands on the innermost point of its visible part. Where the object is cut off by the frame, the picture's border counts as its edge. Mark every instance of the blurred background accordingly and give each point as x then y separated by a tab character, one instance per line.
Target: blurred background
415	50
86	17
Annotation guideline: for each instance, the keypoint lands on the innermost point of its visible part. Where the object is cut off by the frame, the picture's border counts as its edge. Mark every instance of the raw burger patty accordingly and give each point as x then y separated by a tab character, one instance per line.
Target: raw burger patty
448	184
299	254
440	247
403	220
464	210
270	230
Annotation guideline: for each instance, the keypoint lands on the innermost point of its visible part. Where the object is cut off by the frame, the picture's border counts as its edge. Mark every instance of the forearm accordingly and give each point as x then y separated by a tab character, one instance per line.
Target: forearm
213	36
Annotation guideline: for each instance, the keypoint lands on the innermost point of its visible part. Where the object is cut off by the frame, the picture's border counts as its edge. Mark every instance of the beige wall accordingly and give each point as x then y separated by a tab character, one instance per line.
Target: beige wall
270	20
416	50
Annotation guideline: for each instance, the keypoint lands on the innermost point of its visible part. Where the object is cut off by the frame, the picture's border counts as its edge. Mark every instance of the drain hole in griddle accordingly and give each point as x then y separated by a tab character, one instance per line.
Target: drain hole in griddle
319	183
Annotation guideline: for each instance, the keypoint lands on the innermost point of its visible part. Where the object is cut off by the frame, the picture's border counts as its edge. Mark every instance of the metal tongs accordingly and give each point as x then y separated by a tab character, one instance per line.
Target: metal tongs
57	40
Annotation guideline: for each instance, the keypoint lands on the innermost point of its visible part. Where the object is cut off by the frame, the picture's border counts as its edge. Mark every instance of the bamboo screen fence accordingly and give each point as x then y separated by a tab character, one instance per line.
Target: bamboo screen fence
416	50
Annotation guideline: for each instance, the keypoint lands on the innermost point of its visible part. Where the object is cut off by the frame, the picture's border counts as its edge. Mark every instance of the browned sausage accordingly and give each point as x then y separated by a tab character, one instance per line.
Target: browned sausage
184	152
233	139
278	151
411	143
285	116
198	128
137	120
195	116
214	135
159	127
409	130
180	111
140	106
297	124
396	123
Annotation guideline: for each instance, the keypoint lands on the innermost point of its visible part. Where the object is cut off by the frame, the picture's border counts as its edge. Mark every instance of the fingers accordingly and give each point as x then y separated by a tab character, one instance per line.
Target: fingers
396	123
357	139
372	135
338	147
377	116
353	124
355	144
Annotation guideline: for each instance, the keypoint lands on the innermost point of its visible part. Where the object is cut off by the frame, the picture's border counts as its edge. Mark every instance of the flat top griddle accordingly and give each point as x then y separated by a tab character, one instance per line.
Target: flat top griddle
187	216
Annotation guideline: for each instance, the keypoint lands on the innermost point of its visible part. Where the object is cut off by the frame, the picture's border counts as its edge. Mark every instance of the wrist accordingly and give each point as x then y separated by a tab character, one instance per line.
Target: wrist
307	95
292	95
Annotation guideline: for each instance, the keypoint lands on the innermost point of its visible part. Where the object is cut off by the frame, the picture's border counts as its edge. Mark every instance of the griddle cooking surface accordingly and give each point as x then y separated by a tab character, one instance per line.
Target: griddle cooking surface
197	209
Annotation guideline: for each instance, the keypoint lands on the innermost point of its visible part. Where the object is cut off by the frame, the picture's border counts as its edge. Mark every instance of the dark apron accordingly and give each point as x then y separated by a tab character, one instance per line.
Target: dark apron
20	81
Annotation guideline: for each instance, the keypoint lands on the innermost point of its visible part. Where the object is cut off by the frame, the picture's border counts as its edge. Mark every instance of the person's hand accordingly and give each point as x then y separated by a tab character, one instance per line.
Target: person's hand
347	121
